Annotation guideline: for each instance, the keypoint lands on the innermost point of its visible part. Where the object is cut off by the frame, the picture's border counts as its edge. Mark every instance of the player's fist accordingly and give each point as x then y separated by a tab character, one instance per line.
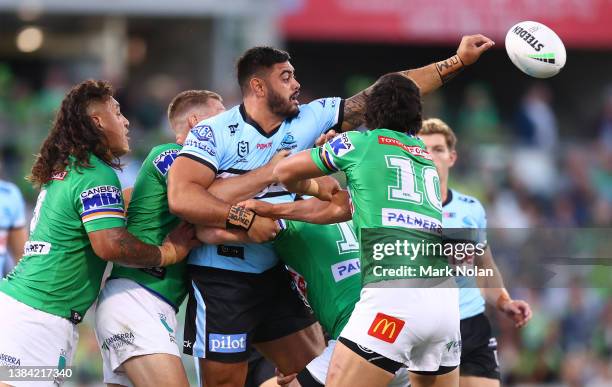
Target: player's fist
259	207
326	187
178	243
517	310
325	137
263	229
472	46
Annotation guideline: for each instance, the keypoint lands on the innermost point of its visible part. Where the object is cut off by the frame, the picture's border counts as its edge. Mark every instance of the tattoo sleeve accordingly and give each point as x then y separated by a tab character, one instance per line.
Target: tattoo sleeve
134	253
354	110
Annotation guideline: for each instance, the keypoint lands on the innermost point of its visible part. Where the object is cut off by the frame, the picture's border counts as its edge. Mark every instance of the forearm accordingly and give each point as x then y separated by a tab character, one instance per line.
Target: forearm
16	240
491	287
216	236
127	250
196	205
239	188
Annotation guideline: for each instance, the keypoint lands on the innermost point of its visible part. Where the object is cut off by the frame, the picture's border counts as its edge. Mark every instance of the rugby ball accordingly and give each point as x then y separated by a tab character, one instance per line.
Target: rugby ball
535	49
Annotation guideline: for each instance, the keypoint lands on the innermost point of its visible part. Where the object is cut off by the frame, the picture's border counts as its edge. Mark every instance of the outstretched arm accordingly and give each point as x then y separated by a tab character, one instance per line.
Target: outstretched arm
494	292
298	172
428	78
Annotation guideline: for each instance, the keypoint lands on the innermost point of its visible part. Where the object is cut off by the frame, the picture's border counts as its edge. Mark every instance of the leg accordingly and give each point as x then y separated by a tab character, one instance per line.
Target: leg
304	345
347	368
476	381
218	374
450	379
160	369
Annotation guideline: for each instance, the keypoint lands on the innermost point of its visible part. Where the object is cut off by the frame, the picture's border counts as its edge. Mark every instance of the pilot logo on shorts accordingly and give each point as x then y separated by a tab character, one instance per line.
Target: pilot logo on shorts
204	133
386	328
226	343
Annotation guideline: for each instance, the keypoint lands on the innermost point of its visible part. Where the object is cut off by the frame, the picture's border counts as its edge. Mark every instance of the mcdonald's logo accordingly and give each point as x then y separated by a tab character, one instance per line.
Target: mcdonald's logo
386	328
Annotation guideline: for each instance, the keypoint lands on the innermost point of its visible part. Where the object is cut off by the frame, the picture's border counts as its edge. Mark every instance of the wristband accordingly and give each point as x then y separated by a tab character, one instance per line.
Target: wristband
448	69
502	299
240	218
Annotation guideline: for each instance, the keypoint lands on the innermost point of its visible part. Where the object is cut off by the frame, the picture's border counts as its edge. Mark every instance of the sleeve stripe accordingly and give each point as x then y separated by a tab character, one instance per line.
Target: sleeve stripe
327	161
199	159
101	215
339	118
100	210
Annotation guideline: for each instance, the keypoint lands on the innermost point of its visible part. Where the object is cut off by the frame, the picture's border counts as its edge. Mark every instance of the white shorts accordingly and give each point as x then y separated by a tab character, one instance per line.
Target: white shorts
319	365
418	327
30	337
131	321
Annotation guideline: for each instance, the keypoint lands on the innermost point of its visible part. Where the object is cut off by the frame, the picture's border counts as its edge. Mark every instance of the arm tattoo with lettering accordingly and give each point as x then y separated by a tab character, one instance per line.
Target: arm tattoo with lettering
449	68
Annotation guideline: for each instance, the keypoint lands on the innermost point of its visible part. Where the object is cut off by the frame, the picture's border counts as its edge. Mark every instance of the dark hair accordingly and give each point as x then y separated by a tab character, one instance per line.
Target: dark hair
255	59
74	134
394	103
185	100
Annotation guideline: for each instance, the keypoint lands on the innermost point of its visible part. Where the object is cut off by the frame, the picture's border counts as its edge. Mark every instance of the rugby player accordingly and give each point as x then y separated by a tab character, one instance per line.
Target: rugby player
409	319
479	362
78	224
243	138
13	233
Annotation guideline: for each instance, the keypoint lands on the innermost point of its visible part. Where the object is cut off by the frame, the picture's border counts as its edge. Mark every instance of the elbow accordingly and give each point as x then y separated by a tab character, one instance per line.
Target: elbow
176	204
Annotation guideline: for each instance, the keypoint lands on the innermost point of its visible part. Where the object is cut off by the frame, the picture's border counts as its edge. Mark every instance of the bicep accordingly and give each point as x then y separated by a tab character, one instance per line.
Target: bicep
354	111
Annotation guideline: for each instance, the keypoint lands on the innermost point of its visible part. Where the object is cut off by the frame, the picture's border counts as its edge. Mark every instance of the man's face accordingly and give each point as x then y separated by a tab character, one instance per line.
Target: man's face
211	108
107	115
282	90
443	157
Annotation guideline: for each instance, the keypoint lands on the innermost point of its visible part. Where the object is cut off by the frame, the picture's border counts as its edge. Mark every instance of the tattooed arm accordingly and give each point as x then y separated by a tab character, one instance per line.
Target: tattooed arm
428	78
118	245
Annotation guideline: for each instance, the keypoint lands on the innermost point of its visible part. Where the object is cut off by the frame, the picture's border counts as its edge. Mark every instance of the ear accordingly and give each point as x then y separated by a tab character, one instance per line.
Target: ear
258	86
192	120
453	158
97	120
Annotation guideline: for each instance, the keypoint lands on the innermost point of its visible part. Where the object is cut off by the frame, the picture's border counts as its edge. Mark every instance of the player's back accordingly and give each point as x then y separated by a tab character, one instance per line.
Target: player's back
392	179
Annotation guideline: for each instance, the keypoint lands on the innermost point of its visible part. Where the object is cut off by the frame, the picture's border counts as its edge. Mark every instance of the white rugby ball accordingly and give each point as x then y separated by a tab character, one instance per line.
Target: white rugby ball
535	49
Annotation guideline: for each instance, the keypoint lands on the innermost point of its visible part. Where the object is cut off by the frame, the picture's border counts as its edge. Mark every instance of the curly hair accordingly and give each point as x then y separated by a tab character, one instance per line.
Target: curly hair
394	103
74	134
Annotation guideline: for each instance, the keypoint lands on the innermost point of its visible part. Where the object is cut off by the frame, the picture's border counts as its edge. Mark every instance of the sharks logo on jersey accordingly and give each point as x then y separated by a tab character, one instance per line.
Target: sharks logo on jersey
288	142
204	133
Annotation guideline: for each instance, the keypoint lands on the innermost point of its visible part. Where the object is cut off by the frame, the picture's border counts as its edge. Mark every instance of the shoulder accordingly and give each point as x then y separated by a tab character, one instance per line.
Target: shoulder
322	103
9	189
161	157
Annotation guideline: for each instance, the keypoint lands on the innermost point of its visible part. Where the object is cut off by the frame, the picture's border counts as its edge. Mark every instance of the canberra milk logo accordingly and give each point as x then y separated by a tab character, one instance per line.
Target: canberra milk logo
100	196
164	160
345	269
226	343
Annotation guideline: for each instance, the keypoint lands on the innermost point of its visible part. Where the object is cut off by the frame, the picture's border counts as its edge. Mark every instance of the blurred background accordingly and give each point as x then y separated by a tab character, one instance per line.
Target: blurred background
536	153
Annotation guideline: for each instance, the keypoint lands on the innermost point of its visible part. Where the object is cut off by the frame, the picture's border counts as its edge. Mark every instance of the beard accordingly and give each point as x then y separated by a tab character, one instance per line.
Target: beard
282	107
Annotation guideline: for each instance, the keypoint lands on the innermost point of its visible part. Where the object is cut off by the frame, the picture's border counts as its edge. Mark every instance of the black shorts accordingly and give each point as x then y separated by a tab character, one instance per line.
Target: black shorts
479	348
229	310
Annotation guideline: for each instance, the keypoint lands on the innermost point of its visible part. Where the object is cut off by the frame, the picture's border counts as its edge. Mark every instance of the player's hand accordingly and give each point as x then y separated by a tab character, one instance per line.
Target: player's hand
327	187
263	229
325	137
517	310
472	46
280	155
178	243
283	380
260	207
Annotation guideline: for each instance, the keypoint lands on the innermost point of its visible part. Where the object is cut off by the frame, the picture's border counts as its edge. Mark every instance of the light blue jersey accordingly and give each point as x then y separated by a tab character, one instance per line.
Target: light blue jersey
231	143
12	215
463	211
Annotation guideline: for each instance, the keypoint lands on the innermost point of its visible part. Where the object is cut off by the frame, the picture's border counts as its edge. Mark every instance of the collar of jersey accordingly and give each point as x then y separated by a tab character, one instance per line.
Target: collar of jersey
254	123
449	197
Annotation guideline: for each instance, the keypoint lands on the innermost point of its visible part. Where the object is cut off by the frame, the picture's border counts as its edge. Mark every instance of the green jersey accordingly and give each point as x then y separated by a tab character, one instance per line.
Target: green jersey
150	220
394	189
324	262
59	272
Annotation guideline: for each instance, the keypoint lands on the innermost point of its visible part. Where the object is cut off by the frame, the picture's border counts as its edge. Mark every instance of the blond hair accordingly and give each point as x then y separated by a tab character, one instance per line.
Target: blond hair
185	100
437	126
